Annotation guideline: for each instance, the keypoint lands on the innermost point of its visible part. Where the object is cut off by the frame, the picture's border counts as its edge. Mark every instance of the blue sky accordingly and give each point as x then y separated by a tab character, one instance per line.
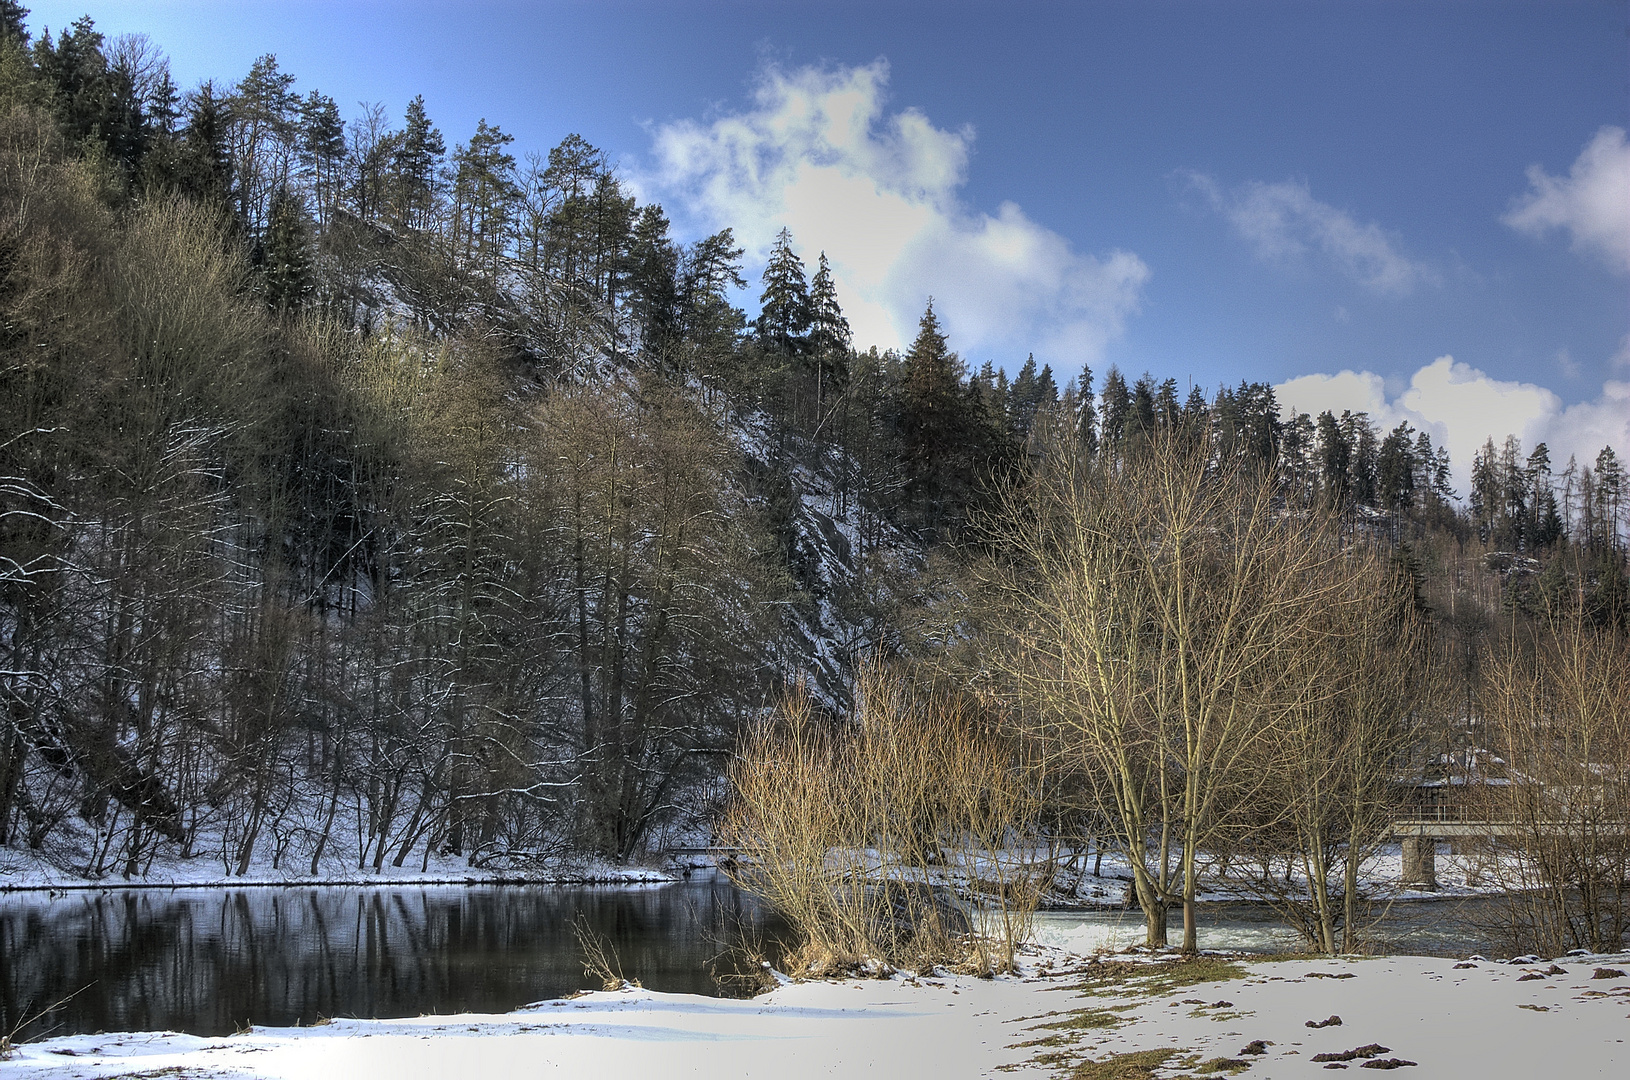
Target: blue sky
1420	209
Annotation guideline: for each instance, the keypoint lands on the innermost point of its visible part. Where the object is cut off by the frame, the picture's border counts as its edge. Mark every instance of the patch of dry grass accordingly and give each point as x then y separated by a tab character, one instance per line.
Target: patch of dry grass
1138	1065
1154	979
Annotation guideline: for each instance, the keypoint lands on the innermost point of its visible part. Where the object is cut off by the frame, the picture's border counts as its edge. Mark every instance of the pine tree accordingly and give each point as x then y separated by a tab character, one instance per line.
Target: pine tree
611	219
588	230
260	128
710	325
414	166
1544	522
322	150
484	192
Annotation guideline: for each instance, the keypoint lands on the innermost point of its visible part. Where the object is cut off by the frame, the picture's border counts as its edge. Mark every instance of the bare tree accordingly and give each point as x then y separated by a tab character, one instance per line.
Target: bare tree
1359	692
1557	698
1148	615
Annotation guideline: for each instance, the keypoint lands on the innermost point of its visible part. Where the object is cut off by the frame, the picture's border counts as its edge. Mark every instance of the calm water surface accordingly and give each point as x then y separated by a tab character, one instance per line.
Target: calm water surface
208	961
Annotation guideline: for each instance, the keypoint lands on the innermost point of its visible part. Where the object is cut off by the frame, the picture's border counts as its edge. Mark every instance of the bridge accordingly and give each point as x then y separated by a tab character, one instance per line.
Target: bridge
1421	834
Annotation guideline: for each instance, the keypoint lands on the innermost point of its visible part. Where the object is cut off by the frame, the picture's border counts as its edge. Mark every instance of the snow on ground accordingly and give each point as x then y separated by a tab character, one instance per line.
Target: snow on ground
1458	875
1476	1020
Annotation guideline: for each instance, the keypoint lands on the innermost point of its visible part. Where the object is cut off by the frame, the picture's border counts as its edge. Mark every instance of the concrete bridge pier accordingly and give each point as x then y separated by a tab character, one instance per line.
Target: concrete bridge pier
1420	861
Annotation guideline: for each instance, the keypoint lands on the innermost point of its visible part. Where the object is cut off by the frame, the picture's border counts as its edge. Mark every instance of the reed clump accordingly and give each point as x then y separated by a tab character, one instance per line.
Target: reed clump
902	836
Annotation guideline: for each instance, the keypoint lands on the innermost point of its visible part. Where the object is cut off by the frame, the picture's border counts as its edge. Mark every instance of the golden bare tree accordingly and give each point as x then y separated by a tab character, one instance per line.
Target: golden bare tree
1148	614
1360	688
1556	695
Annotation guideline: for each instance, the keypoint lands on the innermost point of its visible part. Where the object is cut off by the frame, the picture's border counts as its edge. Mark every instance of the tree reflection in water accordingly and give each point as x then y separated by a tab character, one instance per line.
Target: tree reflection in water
209	961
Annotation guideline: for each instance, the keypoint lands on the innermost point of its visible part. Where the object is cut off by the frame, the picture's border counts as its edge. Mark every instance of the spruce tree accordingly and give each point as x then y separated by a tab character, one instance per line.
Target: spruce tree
287	262
829	335
12	27
1197	411
1142	417
1485	490
931	387
204	164
1022	400
1363	447
784	306
1086	416
1167	411
1544	525
1395	470
1335	460
1609	495
652	282
1117	407
953	445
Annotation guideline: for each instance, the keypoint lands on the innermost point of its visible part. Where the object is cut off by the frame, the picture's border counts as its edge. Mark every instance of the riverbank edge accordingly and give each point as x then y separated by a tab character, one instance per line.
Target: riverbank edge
1484	1015
640	878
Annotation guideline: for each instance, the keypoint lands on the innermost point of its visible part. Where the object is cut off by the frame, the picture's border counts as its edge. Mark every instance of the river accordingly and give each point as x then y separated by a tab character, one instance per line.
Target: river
209	961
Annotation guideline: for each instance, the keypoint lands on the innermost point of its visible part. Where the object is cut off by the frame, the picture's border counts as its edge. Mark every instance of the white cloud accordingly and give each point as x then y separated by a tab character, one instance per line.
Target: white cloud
1461	407
1592	202
879	193
1284	221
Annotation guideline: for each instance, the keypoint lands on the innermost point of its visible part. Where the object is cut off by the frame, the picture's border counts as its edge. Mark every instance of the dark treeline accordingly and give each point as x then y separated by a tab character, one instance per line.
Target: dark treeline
366	494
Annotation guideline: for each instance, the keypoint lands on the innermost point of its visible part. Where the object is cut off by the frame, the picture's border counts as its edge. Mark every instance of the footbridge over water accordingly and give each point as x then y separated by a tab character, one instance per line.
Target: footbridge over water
1420	836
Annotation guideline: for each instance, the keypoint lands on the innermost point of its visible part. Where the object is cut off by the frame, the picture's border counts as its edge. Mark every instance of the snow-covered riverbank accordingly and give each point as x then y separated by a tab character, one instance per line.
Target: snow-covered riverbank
1458	875
1468	1019
25	871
